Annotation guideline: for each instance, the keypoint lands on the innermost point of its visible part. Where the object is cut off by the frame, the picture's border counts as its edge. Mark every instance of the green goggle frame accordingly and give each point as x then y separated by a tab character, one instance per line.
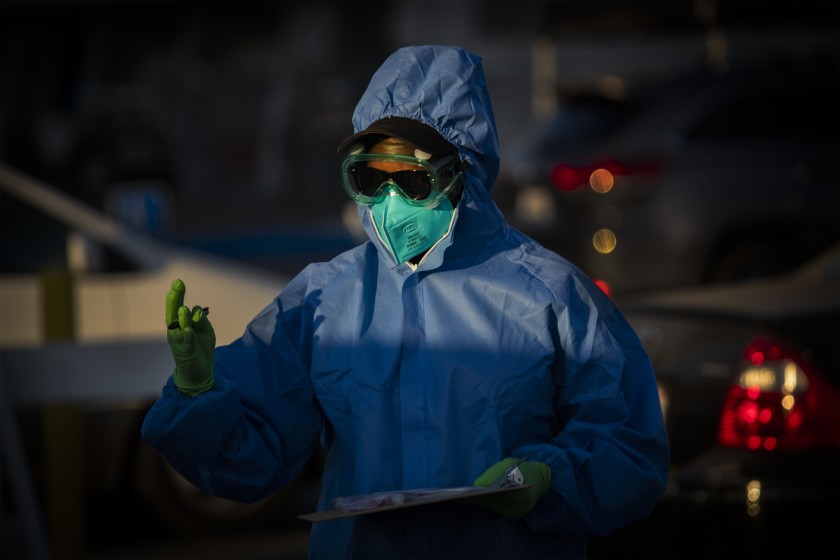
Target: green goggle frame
425	185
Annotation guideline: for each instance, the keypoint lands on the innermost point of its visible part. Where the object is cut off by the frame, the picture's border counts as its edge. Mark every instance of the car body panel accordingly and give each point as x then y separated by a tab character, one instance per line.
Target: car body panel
716	177
82	332
121	304
732	502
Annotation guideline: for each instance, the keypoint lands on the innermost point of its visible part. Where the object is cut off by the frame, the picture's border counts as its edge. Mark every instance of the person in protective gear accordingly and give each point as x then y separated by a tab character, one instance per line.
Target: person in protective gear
440	359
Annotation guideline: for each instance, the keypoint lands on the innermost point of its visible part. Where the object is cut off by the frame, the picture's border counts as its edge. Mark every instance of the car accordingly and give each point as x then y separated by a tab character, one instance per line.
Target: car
115	277
684	179
83	356
748	378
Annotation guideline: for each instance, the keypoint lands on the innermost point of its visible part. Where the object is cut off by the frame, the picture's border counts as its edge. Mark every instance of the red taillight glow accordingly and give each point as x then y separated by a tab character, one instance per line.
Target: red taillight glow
600	176
779	403
565	178
604	287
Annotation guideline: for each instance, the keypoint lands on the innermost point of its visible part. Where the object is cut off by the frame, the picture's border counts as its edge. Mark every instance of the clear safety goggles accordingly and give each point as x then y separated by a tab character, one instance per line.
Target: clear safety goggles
424	185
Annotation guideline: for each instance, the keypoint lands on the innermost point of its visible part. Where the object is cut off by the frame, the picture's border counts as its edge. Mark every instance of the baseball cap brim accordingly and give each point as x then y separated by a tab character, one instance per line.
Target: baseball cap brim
421	135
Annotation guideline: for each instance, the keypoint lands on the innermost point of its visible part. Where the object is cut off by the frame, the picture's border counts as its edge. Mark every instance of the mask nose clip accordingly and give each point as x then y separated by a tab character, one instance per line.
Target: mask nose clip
390	188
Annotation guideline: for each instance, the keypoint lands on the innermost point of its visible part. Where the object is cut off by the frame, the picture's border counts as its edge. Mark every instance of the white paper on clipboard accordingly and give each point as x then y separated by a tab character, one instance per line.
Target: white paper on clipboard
376	502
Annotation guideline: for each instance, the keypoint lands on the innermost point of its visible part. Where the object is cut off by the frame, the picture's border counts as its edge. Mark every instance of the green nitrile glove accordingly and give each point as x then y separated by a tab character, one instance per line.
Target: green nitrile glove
518	504
192	341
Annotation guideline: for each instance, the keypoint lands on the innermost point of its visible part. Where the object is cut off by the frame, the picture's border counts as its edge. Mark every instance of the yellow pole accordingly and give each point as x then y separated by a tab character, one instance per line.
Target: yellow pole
63	434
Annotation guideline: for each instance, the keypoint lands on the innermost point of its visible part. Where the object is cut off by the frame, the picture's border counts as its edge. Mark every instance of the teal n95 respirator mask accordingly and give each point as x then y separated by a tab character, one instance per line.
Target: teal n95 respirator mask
409	230
409	196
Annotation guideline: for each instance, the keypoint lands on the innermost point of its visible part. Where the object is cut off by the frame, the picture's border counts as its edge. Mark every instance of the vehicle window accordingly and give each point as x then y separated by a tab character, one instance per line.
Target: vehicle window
32	242
586	119
806	113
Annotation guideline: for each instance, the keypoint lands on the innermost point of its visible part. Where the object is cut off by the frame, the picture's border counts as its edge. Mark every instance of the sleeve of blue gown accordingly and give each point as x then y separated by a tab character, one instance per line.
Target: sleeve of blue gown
256	429
609	462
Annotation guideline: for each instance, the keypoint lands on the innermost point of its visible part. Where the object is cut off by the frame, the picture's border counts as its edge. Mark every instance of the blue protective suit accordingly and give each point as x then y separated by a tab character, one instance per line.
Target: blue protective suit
424	377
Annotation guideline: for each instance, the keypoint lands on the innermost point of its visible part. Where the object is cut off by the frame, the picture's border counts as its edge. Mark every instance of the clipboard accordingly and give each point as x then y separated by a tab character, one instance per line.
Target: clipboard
389	501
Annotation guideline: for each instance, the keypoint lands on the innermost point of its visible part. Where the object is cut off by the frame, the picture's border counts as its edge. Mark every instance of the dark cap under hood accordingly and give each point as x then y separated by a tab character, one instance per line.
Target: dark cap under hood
421	135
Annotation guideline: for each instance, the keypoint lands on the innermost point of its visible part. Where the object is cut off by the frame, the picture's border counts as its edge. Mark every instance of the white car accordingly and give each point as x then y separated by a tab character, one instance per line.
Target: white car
118	277
82	301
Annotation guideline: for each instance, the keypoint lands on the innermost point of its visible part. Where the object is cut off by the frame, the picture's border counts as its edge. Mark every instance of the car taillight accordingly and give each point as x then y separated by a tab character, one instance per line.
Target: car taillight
605	287
600	176
778	402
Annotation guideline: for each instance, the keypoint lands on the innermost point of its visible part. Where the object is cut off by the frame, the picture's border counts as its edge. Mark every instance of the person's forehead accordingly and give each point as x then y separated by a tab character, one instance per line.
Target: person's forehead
393	147
398	147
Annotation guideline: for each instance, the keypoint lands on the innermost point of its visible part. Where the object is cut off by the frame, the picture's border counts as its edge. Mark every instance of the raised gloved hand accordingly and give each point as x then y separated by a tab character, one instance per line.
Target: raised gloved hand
517	504
192	341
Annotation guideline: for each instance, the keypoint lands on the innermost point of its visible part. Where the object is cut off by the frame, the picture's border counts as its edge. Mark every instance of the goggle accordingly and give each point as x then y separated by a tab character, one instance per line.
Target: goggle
424	185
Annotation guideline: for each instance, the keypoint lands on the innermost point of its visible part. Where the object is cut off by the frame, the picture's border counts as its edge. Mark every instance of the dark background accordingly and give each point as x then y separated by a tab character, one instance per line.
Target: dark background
229	114
234	109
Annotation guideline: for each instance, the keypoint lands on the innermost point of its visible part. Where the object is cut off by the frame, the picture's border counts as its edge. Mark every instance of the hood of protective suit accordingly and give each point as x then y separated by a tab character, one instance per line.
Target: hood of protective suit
443	87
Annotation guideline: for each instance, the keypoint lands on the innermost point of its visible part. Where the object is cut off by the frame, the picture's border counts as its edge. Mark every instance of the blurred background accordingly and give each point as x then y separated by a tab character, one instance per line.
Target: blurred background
668	148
